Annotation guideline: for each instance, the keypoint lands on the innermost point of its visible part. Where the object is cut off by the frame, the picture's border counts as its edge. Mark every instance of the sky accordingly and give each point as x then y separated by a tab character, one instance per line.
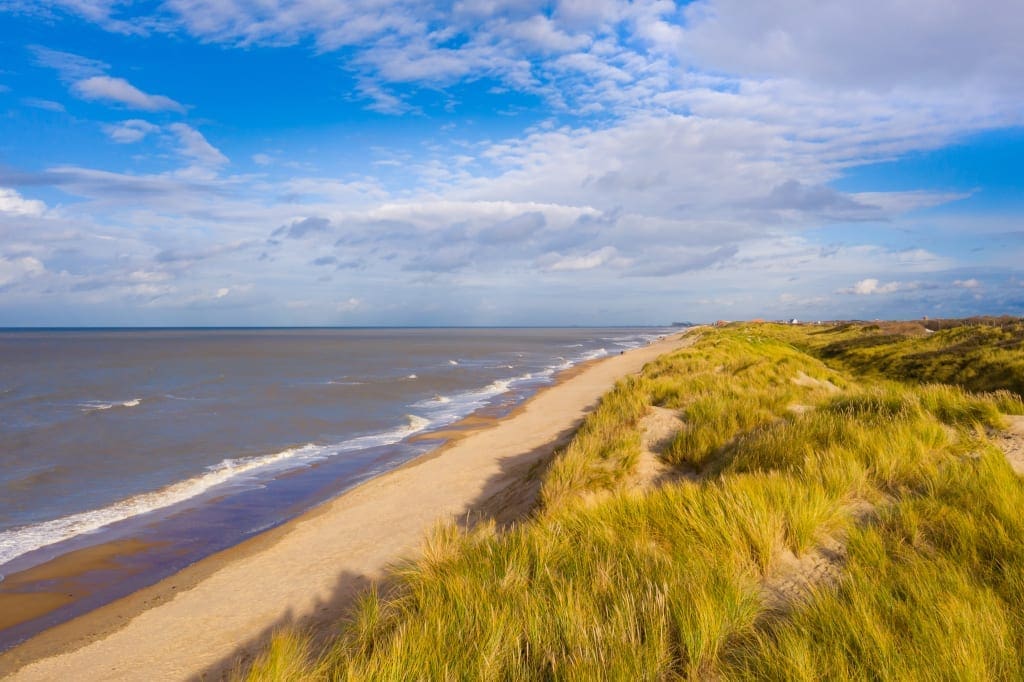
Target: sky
508	162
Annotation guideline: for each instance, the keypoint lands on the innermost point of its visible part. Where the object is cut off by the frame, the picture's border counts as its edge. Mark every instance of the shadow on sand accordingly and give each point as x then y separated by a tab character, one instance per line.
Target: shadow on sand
508	497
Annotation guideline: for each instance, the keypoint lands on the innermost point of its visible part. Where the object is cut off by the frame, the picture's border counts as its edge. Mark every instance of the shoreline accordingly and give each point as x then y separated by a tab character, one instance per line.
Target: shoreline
78	575
308	569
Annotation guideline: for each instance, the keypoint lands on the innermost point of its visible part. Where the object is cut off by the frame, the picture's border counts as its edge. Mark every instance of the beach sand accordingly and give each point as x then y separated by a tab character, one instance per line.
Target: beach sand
199	622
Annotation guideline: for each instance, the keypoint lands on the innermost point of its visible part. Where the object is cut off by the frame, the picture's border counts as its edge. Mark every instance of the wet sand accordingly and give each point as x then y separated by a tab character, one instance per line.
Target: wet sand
199	621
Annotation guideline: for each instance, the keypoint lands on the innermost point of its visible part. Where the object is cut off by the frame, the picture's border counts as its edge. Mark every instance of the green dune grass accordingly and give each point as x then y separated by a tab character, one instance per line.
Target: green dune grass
792	443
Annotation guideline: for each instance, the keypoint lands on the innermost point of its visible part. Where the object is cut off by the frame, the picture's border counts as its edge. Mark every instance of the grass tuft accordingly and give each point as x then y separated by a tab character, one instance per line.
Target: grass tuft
669	583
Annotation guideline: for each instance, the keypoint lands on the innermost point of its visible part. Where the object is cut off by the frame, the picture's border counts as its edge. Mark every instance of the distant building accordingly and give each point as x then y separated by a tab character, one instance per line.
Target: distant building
794	321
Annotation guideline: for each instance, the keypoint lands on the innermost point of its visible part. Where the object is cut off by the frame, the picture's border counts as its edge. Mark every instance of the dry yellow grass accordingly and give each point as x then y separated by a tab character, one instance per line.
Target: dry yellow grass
670	582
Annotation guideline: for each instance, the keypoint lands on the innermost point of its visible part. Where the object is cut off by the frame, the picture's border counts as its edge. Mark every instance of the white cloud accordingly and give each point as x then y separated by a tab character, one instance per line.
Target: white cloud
120	91
71	66
870	44
148	276
967	283
709	162
542	33
196	147
13	203
98	11
867	287
381	100
15	269
129	131
349	305
584	262
46	104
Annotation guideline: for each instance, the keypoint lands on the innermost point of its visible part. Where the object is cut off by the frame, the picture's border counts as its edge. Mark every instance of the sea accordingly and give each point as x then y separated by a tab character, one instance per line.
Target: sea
189	441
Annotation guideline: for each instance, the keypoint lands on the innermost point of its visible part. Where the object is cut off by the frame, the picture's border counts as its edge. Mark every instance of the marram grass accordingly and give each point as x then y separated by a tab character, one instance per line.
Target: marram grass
604	582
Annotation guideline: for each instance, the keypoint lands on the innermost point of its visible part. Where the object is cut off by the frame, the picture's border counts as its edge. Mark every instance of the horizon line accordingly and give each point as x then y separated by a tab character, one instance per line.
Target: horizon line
313	327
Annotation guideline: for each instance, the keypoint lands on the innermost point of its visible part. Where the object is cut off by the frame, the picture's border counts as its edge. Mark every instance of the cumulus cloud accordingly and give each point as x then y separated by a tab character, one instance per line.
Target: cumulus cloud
967	283
644	47
13	203
13	270
120	91
689	148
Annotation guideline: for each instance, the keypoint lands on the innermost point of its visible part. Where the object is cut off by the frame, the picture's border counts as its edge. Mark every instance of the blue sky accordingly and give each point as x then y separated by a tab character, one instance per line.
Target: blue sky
488	162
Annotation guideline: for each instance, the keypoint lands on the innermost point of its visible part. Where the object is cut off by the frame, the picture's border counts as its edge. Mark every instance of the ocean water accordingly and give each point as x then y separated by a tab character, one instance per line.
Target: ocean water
199	438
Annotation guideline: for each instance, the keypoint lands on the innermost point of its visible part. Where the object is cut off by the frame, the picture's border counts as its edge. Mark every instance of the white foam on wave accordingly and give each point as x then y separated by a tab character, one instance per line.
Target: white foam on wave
18	541
459	405
499	386
412	376
633	340
171	396
450	408
454	363
95	405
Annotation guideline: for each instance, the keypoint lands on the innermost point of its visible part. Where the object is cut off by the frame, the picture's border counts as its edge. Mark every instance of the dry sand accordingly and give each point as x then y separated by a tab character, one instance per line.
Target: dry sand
197	623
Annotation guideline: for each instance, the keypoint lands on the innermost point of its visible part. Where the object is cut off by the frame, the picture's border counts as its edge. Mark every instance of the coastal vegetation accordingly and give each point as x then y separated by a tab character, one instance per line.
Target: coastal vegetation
980	354
833	504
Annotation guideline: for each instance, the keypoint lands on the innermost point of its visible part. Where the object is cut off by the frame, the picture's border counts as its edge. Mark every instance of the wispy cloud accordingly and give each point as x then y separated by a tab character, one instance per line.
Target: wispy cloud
72	67
132	130
686	148
89	79
587	261
120	91
47	104
196	147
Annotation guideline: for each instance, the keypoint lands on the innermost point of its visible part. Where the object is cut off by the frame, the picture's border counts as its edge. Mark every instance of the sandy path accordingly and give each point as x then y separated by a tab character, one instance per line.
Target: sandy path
323	557
1011	442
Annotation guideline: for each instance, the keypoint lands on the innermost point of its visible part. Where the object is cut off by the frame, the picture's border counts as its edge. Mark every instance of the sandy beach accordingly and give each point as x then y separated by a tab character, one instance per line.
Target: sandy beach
197	623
